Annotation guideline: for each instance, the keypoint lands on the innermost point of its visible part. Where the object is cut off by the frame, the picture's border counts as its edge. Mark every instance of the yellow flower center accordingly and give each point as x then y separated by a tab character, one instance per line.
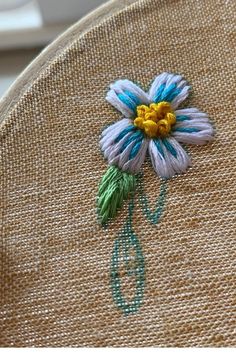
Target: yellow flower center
156	120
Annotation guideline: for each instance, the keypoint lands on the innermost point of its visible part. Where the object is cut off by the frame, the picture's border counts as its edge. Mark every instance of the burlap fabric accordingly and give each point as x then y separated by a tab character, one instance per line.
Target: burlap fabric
55	257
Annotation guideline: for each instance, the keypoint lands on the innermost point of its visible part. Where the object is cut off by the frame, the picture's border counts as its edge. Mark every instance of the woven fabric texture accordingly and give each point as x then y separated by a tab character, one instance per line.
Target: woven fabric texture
55	257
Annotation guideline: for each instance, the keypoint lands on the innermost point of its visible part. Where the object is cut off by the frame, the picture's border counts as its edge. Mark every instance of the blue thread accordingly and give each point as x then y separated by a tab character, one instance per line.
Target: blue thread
182	118
159	147
170	93
127	101
122	134
169	147
136	136
132	96
135	149
187	130
174	94
167	92
157	97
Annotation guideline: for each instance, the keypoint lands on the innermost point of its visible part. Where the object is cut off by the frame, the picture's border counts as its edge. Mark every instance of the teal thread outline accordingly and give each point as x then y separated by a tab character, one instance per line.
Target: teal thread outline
155	216
127	240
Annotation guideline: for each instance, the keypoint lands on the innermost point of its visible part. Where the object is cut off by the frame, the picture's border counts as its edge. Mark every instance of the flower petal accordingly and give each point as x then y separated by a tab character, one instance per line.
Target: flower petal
169	87
125	96
192	127
168	157
112	132
134	164
125	148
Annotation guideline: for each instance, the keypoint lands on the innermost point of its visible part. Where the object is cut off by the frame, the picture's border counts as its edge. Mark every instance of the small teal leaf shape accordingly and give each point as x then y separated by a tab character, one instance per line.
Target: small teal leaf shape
127	252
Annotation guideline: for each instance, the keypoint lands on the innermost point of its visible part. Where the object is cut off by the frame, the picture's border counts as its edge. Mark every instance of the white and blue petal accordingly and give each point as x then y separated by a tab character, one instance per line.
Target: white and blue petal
192	127
110	133
168	157
170	88
125	96
129	153
136	157
124	146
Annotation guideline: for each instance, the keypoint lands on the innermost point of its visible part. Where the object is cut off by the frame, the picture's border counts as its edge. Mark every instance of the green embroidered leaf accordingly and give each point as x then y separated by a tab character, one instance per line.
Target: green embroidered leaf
114	188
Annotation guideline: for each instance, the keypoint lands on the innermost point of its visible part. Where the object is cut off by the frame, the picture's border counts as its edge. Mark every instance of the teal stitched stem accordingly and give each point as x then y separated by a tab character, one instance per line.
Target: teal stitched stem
127	251
153	217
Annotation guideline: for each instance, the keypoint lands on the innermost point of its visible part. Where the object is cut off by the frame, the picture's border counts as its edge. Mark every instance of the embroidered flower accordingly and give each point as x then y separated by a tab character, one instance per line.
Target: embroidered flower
152	123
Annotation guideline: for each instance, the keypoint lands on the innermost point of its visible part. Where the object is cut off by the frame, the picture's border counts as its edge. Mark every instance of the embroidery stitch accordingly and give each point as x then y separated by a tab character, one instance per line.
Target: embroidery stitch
113	190
156	120
154	216
134	266
127	241
152	125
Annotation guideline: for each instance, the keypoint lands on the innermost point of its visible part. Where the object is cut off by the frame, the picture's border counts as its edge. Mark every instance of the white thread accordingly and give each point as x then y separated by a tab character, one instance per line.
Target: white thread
110	133
116	126
134	165
116	147
113	99
167	160
111	150
121	159
169	79
177	164
158	161
159	80
125	85
199	138
197	120
173	79
168	165
119	87
198	124
193	114
181	84
180	97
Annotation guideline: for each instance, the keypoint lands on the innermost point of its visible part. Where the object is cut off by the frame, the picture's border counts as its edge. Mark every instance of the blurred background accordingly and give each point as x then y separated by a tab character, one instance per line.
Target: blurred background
27	26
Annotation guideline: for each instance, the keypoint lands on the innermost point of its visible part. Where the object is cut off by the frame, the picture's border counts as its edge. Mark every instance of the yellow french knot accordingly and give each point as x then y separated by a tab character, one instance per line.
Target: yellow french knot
156	120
